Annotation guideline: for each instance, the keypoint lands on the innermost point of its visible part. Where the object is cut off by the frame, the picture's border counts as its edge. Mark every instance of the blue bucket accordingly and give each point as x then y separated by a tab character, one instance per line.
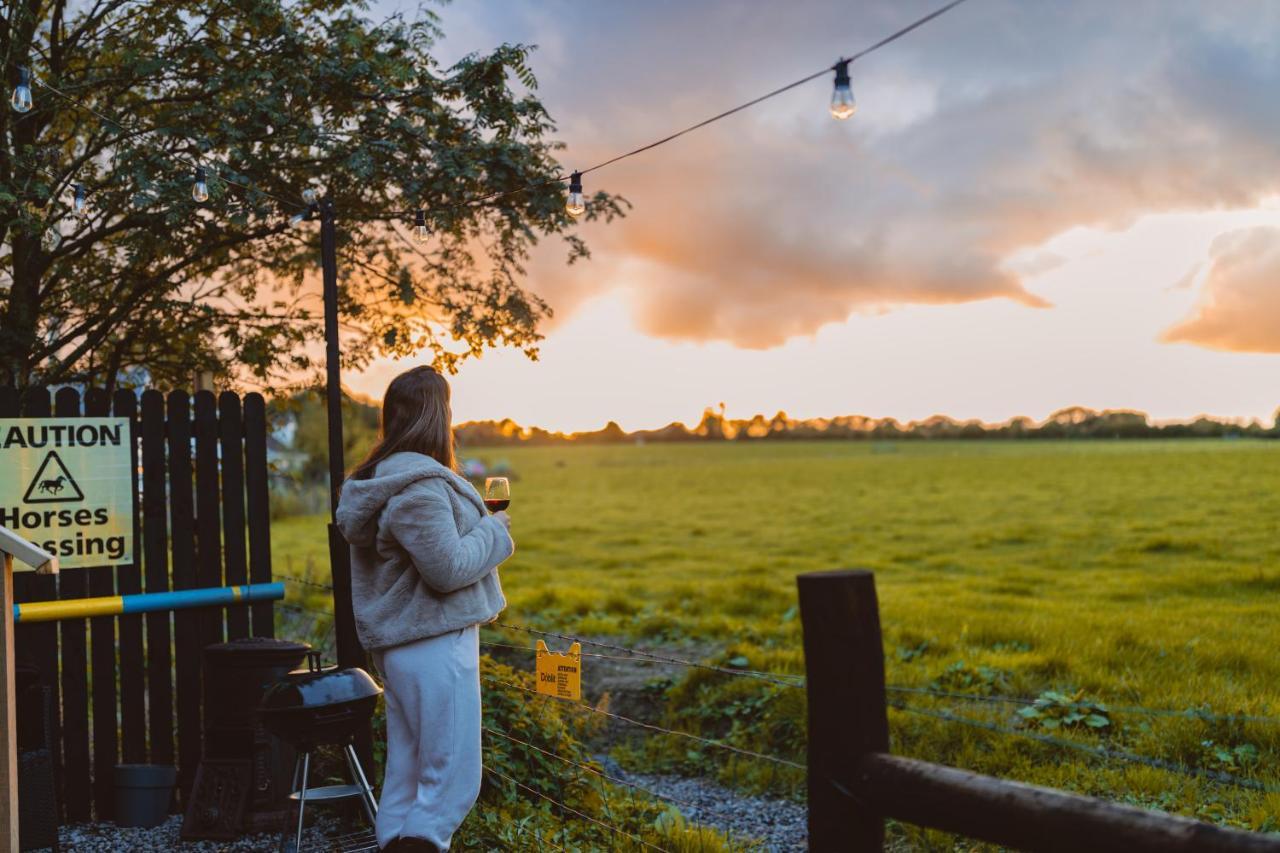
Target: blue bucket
144	793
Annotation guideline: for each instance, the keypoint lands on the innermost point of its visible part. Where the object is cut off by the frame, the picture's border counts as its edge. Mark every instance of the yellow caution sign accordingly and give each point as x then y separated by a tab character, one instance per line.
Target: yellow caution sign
560	673
66	484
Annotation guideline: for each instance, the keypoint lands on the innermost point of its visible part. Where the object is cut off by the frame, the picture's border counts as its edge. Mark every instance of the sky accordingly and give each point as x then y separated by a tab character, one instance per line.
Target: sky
1036	205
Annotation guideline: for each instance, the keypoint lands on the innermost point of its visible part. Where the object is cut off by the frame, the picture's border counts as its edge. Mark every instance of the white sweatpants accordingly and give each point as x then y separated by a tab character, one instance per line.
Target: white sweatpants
433	767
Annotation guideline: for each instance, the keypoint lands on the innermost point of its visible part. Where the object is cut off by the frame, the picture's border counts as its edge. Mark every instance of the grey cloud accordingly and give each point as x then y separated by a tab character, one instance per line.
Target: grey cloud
1005	123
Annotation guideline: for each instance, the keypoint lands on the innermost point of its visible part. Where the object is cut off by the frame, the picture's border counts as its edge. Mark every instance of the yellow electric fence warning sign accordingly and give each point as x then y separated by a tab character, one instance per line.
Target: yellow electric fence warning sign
66	485
560	673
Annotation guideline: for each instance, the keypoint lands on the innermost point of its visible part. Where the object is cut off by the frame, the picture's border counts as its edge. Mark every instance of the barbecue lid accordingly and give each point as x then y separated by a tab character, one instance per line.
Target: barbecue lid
318	686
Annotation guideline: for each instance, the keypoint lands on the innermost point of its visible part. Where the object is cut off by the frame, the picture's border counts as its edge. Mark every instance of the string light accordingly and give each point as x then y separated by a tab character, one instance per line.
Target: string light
304	215
576	205
78	205
21	98
420	225
843	105
200	188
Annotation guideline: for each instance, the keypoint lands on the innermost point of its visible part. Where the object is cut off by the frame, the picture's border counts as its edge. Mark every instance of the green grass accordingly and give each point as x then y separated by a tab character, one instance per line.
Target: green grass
1141	573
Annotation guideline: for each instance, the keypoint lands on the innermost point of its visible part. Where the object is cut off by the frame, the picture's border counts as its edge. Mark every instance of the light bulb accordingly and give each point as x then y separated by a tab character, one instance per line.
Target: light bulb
843	104
200	189
78	205
420	226
21	98
576	204
309	196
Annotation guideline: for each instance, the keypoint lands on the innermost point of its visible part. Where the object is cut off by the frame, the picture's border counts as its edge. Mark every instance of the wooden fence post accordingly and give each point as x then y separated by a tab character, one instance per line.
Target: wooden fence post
844	665
45	564
9	710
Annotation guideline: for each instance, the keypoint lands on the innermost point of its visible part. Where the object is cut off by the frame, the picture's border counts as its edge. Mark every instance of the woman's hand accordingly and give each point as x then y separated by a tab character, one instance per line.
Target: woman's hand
503	519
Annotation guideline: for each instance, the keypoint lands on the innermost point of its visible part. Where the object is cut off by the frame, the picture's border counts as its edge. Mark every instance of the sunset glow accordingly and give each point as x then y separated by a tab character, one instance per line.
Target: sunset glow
998	231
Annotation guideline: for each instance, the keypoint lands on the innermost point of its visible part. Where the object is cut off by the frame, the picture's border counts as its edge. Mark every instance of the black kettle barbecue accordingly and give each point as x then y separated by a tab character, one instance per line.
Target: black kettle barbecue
316	706
319	705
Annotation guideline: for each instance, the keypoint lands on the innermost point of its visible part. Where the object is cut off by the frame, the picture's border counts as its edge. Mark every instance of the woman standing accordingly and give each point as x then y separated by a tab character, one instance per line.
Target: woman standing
424	556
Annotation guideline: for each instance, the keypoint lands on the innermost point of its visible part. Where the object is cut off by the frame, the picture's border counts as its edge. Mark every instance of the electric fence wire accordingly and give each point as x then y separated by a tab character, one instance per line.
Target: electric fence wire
633	654
501	194
643	656
618	830
1190	713
780	679
304	582
745	673
650	726
589	769
1218	776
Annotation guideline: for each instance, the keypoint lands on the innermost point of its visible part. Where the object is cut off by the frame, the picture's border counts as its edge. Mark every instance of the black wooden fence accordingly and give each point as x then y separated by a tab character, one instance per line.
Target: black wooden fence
855	784
119	683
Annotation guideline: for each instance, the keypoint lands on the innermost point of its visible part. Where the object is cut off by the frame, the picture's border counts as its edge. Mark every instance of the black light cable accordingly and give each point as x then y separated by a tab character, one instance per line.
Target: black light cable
842	106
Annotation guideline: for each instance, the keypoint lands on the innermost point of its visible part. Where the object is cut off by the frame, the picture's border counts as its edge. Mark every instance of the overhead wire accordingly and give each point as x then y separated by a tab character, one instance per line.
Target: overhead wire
501	194
193	163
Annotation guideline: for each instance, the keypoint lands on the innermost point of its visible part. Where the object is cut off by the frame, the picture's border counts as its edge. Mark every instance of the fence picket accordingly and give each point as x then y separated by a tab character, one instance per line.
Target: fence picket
231	433
208	527
73	637
132	666
156	564
186	623
102	662
258	505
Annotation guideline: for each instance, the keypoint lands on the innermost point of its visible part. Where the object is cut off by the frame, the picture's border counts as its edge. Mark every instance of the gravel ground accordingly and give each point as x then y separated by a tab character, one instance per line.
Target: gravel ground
109	838
780	824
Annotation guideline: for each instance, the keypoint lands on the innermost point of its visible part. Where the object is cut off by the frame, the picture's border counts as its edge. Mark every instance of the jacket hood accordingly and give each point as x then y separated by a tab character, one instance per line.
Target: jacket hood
362	500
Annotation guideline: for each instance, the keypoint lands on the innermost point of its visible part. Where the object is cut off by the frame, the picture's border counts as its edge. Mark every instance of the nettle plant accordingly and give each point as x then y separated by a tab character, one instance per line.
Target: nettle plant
1052	710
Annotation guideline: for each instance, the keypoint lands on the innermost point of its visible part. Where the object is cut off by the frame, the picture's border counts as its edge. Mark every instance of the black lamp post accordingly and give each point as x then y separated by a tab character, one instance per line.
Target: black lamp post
349	650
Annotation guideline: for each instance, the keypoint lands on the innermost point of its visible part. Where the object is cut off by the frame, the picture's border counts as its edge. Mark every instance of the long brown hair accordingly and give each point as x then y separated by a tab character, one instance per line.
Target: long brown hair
416	417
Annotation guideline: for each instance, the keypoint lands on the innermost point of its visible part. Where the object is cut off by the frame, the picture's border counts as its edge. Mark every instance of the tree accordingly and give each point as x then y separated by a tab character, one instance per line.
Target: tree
269	97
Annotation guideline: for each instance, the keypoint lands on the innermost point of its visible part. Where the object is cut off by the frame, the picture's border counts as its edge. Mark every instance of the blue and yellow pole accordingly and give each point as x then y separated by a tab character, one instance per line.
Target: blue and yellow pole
145	602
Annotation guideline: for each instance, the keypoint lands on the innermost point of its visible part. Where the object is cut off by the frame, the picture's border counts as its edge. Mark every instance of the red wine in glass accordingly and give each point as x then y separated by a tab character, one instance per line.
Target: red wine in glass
497	494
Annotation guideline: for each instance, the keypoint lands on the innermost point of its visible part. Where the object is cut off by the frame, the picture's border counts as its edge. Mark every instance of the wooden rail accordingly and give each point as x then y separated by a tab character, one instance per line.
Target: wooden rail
855	784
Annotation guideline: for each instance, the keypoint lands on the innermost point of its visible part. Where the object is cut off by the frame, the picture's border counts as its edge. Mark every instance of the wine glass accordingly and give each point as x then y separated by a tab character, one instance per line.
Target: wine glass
497	493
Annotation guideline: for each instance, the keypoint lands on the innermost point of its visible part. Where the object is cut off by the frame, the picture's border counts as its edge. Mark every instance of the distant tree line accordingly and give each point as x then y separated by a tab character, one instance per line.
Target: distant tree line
300	435
1075	422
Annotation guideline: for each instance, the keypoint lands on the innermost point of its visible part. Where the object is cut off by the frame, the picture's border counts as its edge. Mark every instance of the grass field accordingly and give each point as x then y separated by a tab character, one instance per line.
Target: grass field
1139	573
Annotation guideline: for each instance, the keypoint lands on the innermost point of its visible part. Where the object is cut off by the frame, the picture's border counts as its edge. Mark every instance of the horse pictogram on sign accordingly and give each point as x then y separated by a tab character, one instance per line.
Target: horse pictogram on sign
68	487
53	483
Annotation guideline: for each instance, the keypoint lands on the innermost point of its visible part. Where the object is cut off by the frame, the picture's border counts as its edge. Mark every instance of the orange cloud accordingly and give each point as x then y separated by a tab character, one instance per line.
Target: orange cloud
976	139
1239	308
